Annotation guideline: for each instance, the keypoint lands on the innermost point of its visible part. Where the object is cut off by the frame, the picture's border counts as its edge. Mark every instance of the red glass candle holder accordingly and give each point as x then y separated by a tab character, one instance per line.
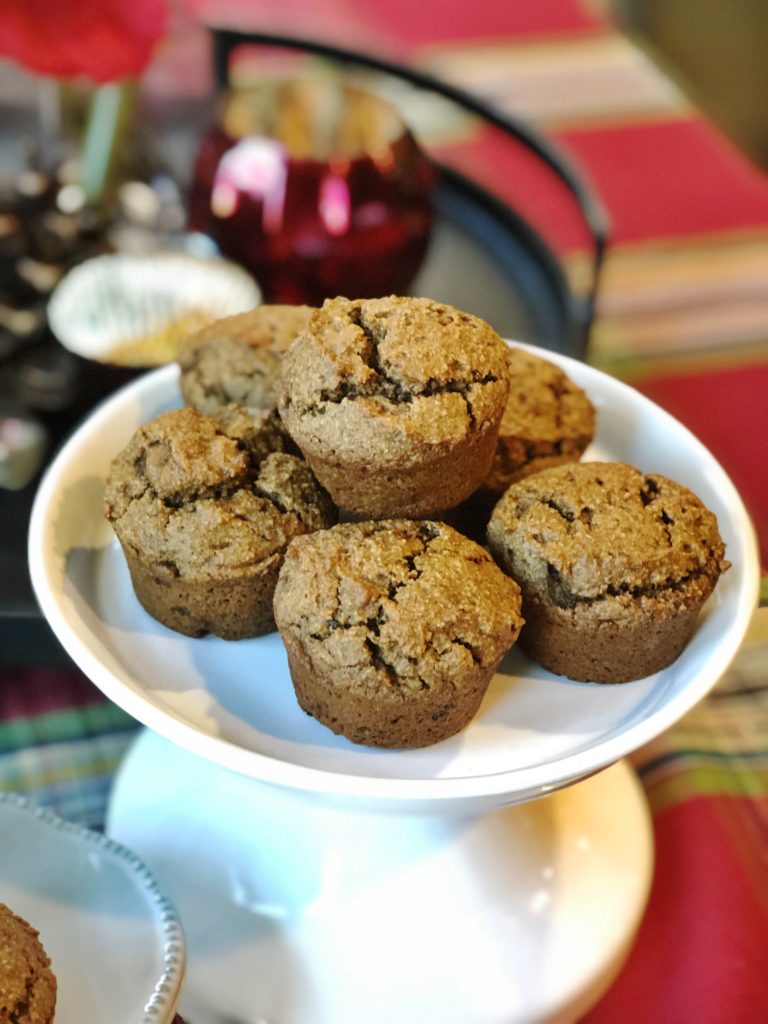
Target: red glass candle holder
318	188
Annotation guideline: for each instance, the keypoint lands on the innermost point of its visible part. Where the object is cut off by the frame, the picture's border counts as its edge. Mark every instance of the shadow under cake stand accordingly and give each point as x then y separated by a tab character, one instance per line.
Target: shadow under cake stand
498	876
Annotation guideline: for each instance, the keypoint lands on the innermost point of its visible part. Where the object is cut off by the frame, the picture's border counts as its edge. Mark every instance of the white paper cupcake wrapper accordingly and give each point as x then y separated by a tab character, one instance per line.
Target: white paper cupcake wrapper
112	300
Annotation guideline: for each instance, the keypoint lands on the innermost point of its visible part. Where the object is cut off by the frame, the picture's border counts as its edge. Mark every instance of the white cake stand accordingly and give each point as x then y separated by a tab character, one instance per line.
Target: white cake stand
325	883
297	909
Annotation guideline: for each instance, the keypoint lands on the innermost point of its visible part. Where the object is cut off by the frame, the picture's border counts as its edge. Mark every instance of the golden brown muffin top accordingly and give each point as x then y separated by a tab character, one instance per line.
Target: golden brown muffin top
226	374
374	377
547	420
396	603
187	498
27	984
544	404
236	360
229	371
179	454
595	530
270	327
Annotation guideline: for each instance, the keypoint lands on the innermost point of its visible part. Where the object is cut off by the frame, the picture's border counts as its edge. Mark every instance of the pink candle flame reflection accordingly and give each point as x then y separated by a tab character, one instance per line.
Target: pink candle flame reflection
257	167
334	204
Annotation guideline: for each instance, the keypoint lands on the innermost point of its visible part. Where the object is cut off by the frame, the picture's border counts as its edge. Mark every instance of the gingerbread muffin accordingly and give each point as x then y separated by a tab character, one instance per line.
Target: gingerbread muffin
229	370
393	629
204	527
27	983
614	565
548	420
395	403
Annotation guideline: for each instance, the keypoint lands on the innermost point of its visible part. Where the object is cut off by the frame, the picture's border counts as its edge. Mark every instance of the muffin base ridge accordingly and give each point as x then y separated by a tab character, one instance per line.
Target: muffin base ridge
418	492
617	651
232	609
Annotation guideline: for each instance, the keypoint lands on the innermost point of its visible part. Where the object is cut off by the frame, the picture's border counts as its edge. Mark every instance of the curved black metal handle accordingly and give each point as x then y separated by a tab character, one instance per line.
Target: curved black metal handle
592	211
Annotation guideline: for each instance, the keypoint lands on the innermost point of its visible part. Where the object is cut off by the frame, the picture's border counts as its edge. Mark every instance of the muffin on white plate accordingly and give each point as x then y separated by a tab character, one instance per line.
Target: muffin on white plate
229	371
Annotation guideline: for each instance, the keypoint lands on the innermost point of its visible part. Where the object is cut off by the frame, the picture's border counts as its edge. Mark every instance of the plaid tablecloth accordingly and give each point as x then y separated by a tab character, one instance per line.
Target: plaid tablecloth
683	316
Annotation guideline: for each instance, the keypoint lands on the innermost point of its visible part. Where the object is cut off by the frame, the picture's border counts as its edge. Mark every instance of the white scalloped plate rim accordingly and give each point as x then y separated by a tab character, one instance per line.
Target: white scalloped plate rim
159	1005
721	630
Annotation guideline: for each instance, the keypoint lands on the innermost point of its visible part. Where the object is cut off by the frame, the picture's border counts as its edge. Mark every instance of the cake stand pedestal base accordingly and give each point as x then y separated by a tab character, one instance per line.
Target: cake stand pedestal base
300	910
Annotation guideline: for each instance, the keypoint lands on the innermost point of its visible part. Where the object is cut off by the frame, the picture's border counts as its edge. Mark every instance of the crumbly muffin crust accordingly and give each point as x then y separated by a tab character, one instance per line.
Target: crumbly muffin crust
204	527
27	983
548	420
614	566
230	368
395	402
270	327
393	628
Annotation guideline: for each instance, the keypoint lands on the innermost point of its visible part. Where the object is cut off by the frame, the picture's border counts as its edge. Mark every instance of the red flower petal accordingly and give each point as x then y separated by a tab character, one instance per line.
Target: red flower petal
104	39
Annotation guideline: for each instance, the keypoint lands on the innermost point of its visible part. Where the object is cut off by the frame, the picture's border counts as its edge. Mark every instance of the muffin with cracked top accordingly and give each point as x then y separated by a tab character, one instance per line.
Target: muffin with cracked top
548	420
393	628
614	565
229	371
204	527
395	403
27	982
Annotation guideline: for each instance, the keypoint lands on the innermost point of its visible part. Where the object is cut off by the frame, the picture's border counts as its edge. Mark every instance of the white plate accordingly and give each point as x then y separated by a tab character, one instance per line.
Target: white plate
115	943
234	702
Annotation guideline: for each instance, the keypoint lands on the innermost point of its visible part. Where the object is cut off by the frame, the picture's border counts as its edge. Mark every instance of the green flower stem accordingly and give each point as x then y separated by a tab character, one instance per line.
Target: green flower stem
109	113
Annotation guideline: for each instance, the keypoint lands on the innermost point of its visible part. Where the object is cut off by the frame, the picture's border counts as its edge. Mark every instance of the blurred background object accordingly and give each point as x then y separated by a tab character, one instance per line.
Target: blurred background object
717	51
66	130
135	311
316	186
